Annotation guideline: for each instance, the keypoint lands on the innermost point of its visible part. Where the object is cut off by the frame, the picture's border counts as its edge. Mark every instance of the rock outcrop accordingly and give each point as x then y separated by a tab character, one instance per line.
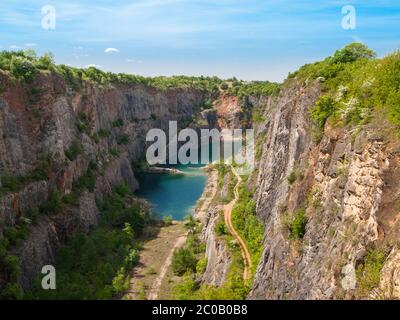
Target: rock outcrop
339	184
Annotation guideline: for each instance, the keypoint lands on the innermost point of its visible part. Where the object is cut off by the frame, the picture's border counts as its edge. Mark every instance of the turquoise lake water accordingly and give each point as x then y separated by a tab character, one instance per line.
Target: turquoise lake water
172	194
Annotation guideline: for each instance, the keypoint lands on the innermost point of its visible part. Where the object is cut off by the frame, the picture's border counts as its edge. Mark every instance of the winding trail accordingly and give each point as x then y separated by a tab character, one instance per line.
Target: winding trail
228	221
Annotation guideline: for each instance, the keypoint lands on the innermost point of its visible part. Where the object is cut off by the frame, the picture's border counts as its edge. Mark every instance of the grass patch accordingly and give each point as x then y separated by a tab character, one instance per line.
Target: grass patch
369	272
296	224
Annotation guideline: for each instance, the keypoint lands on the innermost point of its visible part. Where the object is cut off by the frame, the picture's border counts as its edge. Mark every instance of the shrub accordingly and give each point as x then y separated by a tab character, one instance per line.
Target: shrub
120	283
103	133
324	108
132	259
12	268
117	123
220	229
74	150
168	220
46	62
201	265
22	69
352	52
12	291
83	122
53	205
122	190
184	260
86	181
224	86
296	225
114	152
16	234
291	177
369	272
122	139
296	174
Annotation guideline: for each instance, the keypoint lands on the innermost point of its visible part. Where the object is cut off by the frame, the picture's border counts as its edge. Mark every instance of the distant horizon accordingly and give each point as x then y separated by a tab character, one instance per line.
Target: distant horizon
249	40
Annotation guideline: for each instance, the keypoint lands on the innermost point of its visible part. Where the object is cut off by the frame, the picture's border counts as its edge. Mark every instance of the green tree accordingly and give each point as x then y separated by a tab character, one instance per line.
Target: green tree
184	260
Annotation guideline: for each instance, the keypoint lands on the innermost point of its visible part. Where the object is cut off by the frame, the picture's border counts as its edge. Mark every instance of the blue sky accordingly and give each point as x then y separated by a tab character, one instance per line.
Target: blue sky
252	40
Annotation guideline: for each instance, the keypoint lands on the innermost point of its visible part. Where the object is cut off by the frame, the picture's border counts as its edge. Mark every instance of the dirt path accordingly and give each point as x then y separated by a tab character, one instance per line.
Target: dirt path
155	260
228	221
155	288
152	277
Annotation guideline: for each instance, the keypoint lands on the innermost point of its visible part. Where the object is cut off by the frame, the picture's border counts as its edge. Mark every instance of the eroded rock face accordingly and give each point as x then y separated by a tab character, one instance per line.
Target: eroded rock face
217	251
45	124
389	286
340	189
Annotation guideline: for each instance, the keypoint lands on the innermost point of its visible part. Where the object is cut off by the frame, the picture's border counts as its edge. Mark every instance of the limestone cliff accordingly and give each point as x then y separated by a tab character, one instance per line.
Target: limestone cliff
345	184
49	122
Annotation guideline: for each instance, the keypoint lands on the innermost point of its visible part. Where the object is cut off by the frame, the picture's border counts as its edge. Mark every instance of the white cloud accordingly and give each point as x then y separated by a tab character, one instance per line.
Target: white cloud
111	50
32	44
14	47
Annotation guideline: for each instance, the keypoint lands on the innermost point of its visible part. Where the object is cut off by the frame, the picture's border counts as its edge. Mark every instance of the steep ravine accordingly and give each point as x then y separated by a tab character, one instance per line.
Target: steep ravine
345	184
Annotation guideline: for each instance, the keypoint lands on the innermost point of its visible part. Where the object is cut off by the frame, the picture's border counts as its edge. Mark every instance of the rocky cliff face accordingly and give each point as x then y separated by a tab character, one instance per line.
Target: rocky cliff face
45	119
344	184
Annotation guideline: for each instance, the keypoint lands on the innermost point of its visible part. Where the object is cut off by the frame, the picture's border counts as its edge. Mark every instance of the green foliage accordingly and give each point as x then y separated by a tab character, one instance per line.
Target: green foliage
116	212
153	116
120	283
22	68
10	268
294	175
355	86
369	272
386	87
85	182
14	183
257	116
83	122
224	86
97	265
201	265
122	138
323	109
117	123
246	222
331	67
103	133
74	150
114	152
296	224
54	204
184	260
46	62
232	289
168	220
220	229
291	178
353	52
207	104
254	88
12	291
16	234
